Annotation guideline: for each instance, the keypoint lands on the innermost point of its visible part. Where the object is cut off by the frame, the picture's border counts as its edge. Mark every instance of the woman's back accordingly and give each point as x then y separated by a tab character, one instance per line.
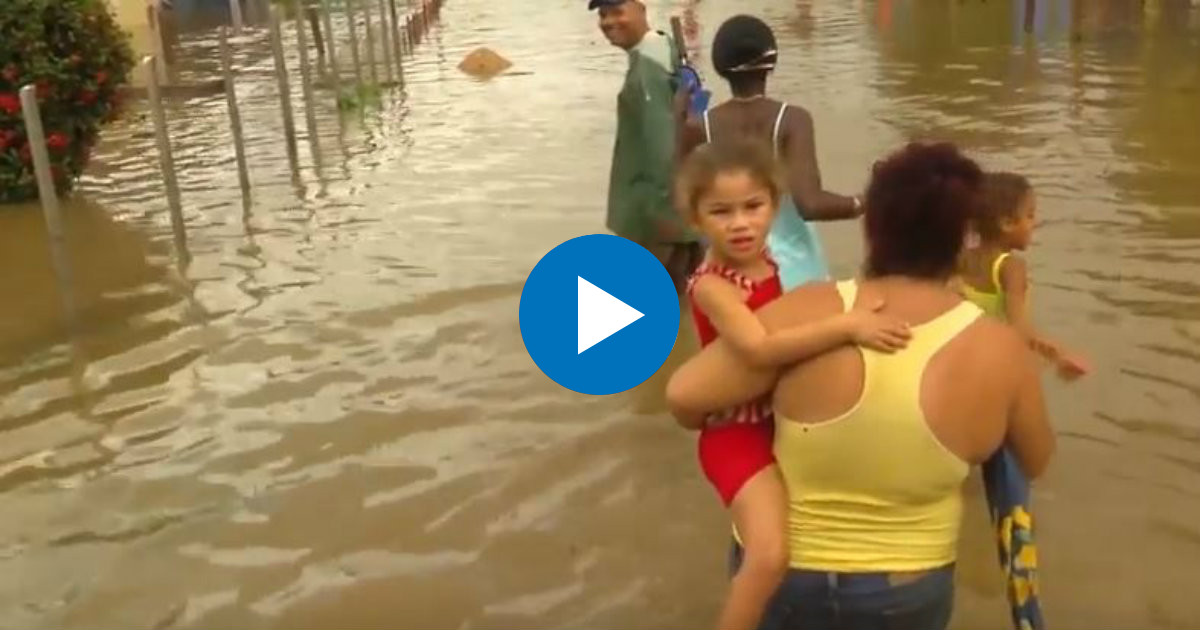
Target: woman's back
875	447
758	118
792	241
967	387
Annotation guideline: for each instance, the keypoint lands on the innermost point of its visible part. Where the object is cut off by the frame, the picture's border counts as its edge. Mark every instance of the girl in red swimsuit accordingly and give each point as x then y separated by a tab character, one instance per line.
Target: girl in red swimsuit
731	193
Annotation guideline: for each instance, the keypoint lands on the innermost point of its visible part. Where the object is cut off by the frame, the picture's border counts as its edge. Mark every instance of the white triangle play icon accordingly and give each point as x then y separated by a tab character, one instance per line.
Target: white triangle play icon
601	315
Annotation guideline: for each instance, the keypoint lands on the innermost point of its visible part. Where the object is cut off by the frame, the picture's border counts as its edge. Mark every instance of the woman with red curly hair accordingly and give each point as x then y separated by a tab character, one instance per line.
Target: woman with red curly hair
874	448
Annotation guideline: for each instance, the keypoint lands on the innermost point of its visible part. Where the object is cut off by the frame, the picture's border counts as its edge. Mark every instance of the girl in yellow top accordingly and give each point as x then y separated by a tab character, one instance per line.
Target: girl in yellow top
997	279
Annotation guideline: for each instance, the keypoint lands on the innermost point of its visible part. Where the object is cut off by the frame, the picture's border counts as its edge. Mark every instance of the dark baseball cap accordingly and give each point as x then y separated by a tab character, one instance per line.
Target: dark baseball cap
743	43
596	4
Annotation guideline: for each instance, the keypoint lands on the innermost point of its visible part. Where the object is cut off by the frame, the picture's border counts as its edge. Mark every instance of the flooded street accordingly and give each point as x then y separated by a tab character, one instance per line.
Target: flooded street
328	419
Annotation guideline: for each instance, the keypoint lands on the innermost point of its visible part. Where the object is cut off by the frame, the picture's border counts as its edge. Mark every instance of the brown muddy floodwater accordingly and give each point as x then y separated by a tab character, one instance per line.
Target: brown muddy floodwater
328	419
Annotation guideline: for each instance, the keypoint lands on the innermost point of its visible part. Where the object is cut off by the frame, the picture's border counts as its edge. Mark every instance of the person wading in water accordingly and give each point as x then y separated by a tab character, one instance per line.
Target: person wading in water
744	53
639	193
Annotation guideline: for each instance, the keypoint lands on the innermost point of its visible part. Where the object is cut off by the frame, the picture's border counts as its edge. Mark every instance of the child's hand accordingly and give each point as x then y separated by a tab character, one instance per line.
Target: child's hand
1071	366
883	333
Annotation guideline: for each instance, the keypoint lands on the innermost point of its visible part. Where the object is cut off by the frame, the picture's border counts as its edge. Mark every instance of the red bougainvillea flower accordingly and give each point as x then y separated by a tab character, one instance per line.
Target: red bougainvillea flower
57	141
75	54
10	104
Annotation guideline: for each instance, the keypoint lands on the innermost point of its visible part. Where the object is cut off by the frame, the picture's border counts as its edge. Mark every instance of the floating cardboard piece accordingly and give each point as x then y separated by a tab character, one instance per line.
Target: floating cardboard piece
484	63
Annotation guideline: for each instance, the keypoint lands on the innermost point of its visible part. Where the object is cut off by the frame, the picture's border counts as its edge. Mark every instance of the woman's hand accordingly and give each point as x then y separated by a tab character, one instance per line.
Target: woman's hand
871	329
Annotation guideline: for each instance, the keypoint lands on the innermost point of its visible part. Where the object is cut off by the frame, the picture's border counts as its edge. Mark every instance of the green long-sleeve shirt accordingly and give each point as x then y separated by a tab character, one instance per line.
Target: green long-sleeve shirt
639	190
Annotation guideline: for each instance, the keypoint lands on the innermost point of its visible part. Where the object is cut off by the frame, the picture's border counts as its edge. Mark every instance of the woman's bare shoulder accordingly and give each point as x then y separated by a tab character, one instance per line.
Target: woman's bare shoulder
996	333
797	119
810	302
997	347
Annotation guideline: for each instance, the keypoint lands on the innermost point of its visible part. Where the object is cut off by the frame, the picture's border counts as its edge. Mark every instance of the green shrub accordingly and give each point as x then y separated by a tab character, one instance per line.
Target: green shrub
78	57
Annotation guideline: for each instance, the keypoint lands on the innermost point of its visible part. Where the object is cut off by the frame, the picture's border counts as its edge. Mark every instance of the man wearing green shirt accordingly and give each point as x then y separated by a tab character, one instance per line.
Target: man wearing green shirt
639	189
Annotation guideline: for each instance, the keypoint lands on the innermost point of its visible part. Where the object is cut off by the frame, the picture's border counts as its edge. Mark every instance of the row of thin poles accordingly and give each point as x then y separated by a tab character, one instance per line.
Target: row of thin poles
397	36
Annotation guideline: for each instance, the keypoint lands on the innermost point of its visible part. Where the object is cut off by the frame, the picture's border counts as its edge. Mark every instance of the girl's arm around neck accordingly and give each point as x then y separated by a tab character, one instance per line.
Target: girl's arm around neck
722	302
720	377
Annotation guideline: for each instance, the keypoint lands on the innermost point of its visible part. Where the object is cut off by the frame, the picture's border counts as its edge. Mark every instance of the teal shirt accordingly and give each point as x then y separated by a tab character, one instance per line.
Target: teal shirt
639	189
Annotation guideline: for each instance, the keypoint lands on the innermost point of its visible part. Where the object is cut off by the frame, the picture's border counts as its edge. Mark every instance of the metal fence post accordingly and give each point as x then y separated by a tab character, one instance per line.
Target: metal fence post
166	161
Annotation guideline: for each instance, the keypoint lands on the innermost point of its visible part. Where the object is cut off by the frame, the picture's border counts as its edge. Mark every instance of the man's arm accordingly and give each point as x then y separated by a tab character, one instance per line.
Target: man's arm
658	123
804	175
689	135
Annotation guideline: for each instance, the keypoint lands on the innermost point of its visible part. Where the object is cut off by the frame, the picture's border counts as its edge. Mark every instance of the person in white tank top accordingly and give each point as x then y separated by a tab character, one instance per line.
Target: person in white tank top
744	53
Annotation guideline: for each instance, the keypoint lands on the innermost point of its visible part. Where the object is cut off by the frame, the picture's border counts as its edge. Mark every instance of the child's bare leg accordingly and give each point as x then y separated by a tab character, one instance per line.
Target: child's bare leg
760	514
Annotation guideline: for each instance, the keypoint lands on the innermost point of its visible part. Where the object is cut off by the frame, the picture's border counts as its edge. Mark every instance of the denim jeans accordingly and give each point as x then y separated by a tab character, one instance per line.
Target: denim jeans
816	600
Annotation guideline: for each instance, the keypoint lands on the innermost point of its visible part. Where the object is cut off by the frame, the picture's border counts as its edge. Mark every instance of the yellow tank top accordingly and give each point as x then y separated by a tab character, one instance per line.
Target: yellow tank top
873	490
992	302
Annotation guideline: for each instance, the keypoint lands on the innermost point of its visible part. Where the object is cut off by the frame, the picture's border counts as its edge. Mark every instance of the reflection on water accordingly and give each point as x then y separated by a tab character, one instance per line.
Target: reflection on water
110	265
329	420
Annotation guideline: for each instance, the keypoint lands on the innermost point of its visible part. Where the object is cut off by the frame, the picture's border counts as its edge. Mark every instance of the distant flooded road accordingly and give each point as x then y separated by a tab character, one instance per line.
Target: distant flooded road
329	421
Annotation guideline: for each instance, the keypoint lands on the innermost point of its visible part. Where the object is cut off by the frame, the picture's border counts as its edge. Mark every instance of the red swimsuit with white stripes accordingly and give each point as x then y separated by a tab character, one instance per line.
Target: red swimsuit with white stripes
733	452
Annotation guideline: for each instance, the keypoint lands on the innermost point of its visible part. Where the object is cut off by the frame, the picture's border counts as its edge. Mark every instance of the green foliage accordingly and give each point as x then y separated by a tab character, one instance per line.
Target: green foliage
78	57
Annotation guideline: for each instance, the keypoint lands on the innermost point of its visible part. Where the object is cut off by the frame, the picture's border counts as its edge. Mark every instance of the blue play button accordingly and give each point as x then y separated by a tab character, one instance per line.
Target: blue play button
599	314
